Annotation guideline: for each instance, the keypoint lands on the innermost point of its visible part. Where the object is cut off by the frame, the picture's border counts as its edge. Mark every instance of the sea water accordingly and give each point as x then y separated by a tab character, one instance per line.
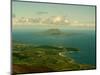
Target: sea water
84	39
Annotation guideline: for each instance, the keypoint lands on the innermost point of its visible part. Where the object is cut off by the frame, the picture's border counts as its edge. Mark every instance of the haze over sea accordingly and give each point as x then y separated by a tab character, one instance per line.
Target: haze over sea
84	39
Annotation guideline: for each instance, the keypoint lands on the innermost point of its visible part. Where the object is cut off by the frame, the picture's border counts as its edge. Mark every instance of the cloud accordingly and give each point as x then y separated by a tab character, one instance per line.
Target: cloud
51	20
66	21
75	22
41	12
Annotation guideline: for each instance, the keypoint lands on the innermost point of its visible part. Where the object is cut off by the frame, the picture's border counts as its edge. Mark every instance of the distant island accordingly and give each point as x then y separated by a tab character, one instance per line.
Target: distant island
57	32
54	31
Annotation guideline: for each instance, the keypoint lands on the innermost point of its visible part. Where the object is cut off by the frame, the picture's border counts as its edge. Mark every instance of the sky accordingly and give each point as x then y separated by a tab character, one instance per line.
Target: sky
43	14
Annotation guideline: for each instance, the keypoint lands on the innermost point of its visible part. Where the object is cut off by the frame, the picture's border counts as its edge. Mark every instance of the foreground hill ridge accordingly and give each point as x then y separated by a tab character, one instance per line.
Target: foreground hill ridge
37	59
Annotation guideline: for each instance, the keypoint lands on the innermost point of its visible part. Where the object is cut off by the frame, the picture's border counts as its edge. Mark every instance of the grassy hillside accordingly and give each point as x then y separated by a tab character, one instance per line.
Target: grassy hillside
36	59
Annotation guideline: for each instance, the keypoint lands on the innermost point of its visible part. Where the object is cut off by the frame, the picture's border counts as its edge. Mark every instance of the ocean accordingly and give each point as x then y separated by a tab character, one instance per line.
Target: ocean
83	39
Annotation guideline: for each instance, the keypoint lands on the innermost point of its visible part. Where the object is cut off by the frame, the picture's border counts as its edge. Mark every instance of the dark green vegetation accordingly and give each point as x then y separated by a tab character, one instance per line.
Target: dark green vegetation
30	58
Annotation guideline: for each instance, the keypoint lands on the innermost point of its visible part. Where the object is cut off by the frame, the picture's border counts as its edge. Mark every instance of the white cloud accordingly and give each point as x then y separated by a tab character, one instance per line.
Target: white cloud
66	21
55	20
50	21
75	22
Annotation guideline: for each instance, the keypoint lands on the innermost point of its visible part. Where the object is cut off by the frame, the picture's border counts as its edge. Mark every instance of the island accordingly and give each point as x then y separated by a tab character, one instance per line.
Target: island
28	58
